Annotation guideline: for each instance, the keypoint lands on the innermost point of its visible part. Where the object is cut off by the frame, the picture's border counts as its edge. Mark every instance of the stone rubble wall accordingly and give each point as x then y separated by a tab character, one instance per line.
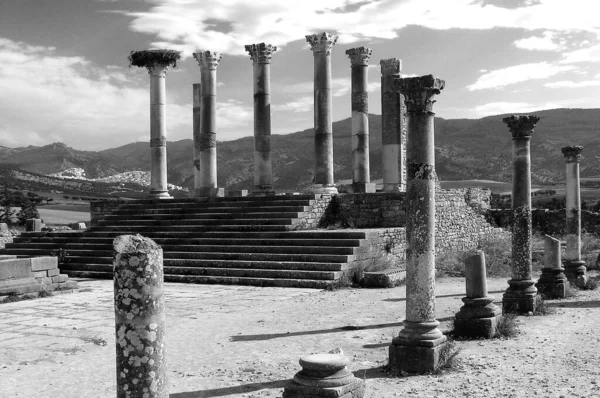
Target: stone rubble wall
314	216
544	221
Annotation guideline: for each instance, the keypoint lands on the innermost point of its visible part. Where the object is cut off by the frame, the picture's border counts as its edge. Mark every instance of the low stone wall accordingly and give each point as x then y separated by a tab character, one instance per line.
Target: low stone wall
314	216
372	210
28	275
544	221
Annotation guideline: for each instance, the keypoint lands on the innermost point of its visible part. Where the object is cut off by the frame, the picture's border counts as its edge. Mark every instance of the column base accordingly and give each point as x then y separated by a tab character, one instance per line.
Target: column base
417	348
236	193
520	298
576	272
354	390
209	192
552	283
477	318
156	194
361	187
323	189
262	192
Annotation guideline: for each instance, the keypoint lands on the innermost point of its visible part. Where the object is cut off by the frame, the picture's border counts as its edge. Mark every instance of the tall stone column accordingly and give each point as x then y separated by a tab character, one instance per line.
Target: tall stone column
196	97
417	347
207	144
263	169
359	61
321	45
574	267
521	295
393	154
157	62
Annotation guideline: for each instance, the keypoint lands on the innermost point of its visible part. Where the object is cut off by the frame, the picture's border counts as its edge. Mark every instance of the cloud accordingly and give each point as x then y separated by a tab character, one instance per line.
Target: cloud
589	54
516	74
572	84
301	104
499	108
544	43
189	25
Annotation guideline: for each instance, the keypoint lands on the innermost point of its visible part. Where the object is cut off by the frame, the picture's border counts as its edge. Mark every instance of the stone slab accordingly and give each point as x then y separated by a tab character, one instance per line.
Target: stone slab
415	359
30	288
354	390
387	278
40	274
53	272
15	268
476	328
43	263
235	193
60	278
7	256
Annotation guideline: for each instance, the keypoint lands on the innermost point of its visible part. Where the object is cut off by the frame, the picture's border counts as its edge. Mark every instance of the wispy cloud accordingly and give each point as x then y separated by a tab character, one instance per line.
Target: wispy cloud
572	84
500	78
544	43
498	108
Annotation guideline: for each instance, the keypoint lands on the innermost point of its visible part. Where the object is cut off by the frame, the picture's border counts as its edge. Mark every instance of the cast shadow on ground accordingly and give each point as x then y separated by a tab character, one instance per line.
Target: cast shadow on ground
256	337
227	391
575	304
442	296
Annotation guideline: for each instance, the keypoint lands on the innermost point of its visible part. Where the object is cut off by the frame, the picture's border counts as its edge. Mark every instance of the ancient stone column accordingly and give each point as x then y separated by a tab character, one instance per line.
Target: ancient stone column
393	152
321	45
139	318
521	296
574	265
416	348
197	99
207	144
479	316
157	62
263	169
552	282
359	61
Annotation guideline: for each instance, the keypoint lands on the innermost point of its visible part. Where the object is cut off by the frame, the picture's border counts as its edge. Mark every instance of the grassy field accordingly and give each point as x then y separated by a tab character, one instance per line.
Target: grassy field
53	215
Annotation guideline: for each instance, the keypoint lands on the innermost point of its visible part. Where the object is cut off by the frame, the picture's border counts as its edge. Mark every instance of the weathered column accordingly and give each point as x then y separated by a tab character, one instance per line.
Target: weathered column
139	318
417	347
263	169
552	282
479	316
196	98
393	152
321	45
574	265
521	296
207	144
359	61
157	62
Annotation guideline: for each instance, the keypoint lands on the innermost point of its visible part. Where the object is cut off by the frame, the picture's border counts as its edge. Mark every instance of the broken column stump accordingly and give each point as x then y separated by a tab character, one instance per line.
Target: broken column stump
139	318
553	282
324	375
479	316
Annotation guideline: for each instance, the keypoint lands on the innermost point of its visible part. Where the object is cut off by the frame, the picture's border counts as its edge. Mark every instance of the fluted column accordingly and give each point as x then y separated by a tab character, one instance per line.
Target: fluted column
417	346
359	62
321	45
196	98
393	151
521	296
207	144
574	267
263	169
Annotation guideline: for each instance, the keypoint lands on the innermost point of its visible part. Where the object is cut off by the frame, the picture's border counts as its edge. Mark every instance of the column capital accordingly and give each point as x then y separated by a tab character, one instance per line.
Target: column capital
572	153
419	92
359	56
155	60
521	126
208	59
390	66
260	53
321	43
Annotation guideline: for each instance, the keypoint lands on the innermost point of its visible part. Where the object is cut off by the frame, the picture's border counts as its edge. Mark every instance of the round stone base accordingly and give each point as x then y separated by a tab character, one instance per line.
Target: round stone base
323	189
155	194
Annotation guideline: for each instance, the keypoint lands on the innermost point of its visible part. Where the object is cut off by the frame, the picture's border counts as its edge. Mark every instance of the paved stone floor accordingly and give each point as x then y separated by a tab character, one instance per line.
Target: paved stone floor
236	341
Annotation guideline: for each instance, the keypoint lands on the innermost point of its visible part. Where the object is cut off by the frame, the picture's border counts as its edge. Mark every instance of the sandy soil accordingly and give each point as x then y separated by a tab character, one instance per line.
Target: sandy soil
245	342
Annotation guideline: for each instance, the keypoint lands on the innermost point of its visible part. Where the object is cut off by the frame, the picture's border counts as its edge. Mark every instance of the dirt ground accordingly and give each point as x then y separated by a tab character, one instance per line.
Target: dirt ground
234	341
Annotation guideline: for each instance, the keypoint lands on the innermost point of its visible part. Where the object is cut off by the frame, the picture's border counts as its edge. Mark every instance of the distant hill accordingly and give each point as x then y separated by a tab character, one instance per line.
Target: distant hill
465	149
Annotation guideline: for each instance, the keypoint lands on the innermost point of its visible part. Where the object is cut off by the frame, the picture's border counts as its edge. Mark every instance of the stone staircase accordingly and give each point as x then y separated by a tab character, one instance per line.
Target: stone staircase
241	240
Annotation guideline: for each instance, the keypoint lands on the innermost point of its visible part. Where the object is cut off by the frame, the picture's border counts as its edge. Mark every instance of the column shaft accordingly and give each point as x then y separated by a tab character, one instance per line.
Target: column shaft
197	95
392	106
158	133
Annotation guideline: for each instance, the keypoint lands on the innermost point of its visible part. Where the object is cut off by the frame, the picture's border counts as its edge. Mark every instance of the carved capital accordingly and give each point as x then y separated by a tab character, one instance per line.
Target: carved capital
321	43
359	56
390	66
261	53
572	153
419	92
160	141
208	59
158	69
521	126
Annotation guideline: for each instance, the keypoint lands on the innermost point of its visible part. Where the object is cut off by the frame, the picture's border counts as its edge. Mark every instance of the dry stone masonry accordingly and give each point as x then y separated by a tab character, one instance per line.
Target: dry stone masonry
139	318
521	296
574	266
417	347
30	275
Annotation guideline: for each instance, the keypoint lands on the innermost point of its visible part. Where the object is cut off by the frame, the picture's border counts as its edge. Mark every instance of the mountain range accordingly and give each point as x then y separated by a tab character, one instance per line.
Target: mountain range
465	149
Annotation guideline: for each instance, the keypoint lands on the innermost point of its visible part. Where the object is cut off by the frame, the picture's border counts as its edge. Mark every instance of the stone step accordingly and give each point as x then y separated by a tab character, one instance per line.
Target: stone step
200	205
316	234
199	222
230	199
189	211
203	216
228	248
129	229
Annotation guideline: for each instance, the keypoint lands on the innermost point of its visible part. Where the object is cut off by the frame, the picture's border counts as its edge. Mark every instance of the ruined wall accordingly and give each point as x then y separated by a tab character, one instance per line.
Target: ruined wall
372	210
544	221
317	210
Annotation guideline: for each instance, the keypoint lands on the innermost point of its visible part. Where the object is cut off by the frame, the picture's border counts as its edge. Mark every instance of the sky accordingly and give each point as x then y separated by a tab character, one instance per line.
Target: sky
65	77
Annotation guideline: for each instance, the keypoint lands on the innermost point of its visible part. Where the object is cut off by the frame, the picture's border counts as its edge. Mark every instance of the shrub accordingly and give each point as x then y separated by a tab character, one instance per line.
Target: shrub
450	264
28	206
507	327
